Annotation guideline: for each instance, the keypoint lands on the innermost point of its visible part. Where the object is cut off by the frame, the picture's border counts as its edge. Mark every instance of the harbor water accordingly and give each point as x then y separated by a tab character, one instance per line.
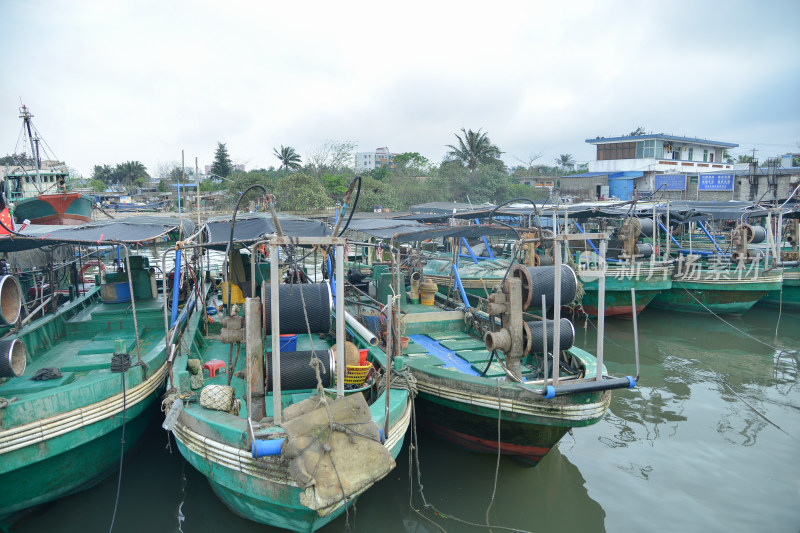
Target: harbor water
707	442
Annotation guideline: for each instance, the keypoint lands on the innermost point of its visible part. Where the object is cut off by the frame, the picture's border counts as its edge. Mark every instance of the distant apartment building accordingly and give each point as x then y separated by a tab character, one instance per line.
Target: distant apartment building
381	157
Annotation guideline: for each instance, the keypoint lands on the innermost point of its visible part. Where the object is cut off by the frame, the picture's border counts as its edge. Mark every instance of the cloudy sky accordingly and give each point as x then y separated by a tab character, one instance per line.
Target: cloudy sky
110	81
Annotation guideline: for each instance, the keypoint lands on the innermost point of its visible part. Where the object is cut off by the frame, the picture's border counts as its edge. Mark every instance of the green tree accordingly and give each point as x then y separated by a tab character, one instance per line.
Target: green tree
104	173
374	192
473	149
411	164
97	185
744	158
335	185
638	131
290	160
300	192
127	173
565	161
222	166
163	186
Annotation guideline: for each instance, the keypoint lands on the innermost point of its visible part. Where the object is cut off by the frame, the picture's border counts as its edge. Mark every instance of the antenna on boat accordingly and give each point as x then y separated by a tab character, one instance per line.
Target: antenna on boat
26	117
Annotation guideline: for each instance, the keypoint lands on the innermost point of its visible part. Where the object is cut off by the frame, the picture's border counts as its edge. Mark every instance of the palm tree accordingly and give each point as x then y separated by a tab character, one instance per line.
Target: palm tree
289	158
474	149
128	172
565	161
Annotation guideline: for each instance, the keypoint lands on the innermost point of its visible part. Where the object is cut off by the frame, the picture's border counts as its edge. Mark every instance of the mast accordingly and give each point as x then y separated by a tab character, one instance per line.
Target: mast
26	117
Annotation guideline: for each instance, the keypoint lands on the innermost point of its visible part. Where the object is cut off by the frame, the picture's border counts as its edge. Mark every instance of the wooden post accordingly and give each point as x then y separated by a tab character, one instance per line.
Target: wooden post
254	348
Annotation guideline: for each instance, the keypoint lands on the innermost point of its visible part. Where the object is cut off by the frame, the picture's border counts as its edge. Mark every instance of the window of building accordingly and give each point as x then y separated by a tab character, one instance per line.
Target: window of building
649	149
692	179
711	157
705	156
691	153
612	151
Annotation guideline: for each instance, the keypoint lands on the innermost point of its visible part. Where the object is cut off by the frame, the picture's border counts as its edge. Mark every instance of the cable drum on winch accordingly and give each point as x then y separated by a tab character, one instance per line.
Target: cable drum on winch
566	335
646	226
538	281
298	374
318	302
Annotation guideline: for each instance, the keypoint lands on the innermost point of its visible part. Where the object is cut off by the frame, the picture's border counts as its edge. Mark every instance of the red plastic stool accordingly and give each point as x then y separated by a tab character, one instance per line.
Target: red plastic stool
214	365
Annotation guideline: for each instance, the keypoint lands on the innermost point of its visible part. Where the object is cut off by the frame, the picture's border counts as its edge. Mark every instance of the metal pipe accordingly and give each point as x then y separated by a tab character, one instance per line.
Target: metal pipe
176	282
340	320
366	334
710	238
544	335
389	360
460	287
276	332
635	334
556	309
601	308
33	313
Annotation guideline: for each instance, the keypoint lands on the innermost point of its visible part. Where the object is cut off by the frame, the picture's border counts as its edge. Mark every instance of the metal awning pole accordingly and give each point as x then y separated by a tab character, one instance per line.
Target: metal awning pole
276	332
544	335
340	355
390	341
635	334
556	309
601	308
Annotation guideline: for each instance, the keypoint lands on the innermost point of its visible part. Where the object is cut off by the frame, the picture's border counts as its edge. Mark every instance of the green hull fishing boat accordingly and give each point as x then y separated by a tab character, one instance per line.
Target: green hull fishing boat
79	384
727	295
289	440
788	296
480	368
647	279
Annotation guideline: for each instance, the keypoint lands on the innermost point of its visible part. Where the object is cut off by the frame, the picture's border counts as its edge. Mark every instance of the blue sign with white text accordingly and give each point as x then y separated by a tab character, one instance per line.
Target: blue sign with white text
670	182
715	182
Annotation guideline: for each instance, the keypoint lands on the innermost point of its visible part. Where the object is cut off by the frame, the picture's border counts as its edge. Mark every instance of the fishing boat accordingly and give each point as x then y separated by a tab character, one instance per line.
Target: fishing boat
788	257
708	277
487	378
283	442
78	384
40	192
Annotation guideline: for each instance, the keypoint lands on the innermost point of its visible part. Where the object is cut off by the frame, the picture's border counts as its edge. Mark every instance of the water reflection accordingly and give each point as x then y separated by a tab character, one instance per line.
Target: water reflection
731	365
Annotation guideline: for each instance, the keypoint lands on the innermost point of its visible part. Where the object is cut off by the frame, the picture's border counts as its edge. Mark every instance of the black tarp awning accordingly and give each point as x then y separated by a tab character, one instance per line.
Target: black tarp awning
251	227
134	230
414	233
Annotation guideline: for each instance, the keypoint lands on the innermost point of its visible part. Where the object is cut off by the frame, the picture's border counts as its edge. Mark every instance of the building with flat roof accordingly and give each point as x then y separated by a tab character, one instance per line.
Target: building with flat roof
638	165
381	157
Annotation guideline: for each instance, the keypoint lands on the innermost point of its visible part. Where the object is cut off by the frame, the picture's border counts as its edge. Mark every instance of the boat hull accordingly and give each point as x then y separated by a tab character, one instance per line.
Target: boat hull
788	297
57	209
261	490
75	468
476	432
717	296
464	411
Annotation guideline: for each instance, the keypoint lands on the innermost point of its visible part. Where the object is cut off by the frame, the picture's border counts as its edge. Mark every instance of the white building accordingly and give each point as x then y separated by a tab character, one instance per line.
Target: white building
366	161
642	164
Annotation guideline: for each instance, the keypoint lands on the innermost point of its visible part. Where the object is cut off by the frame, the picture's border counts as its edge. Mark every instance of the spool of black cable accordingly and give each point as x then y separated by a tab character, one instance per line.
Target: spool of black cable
566	335
538	281
644	249
647	226
318	302
759	234
297	372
